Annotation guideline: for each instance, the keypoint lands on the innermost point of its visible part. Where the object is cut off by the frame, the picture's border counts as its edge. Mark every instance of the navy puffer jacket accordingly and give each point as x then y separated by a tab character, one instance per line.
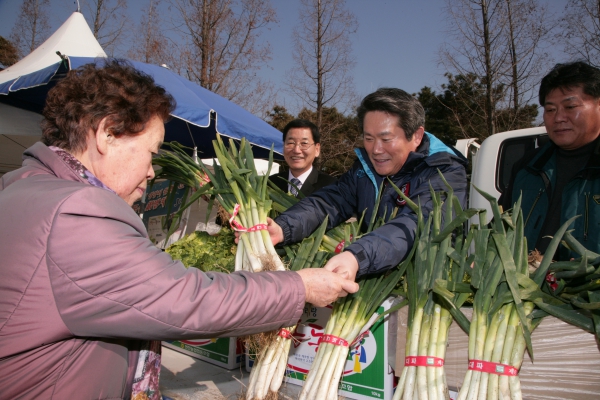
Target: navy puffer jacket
358	189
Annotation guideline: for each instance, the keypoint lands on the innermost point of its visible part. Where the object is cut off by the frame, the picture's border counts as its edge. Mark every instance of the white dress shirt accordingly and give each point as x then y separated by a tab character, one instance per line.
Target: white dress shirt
301	178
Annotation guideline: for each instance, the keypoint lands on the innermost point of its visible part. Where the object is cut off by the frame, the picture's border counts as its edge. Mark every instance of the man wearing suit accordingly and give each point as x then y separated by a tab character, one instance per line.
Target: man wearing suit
301	145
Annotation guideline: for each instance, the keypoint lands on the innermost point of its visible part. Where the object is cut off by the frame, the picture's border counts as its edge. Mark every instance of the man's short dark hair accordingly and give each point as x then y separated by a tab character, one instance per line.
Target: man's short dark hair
407	108
303	123
570	75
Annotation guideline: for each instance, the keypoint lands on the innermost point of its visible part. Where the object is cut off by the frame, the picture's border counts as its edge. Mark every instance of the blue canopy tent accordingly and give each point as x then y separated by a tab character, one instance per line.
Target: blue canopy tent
199	114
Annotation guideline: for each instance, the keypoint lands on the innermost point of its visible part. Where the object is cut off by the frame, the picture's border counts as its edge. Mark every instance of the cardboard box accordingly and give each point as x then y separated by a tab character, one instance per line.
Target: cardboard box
367	375
567	360
224	352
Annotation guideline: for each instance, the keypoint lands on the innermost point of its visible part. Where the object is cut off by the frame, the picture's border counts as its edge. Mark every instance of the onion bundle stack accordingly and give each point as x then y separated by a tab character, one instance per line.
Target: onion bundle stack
500	330
271	361
235	183
351	316
434	264
243	194
313	252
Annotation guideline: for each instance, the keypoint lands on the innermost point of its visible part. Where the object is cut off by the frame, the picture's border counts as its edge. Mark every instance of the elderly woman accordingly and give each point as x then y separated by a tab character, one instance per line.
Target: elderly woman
85	296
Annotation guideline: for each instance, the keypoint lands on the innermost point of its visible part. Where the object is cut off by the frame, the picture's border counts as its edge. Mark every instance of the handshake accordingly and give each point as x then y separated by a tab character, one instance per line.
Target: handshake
322	285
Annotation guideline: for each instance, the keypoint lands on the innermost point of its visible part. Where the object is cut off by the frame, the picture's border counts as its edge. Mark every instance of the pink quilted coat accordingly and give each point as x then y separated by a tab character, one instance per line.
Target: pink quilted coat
81	284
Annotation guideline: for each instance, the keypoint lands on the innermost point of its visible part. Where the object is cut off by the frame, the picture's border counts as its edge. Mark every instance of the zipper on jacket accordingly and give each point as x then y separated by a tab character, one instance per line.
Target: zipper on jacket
533	206
586	216
384	186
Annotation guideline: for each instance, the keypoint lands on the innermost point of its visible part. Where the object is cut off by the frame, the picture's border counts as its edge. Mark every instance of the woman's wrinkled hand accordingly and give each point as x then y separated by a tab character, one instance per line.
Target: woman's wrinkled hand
323	287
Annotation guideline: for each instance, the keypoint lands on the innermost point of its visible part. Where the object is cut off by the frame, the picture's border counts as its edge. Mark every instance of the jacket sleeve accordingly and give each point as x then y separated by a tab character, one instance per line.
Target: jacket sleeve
337	200
387	246
109	280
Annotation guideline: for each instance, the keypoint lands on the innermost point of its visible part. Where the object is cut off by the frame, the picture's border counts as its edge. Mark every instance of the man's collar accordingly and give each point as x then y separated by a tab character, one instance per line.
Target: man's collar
302	177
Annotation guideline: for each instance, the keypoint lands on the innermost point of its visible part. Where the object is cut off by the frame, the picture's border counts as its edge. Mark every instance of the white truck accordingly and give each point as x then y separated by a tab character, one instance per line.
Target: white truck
492	161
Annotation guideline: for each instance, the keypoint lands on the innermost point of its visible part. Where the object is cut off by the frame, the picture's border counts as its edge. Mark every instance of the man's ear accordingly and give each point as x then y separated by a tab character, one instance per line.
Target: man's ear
317	149
103	137
418	136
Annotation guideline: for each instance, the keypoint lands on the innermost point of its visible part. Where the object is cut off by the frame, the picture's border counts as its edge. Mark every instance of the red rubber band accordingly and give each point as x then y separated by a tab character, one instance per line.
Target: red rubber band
423	361
493	368
284	333
337	341
236	226
340	245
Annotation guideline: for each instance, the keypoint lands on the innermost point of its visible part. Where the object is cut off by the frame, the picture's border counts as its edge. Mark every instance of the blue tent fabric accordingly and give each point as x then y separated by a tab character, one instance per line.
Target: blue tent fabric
37	78
199	114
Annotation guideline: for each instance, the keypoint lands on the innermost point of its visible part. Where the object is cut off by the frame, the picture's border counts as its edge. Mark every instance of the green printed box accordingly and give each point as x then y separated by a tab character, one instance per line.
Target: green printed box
224	352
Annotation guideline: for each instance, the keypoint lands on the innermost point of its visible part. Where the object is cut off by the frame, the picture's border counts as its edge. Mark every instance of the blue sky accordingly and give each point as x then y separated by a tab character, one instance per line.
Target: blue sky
396	44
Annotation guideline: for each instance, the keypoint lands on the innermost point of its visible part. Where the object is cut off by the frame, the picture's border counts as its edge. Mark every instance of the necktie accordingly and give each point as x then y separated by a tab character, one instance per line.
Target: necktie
293	190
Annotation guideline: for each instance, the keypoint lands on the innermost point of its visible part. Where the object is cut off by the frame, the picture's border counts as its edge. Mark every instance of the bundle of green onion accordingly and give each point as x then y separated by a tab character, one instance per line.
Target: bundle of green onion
499	330
235	183
243	193
504	300
271	361
434	263
568	290
269	368
351	316
341	236
505	297
177	166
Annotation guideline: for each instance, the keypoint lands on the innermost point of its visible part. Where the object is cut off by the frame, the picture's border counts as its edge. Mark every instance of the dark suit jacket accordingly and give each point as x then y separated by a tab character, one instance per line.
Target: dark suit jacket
315	181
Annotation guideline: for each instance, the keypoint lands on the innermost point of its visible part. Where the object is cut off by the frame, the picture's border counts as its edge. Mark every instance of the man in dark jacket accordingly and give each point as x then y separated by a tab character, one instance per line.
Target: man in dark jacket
562	178
301	146
397	147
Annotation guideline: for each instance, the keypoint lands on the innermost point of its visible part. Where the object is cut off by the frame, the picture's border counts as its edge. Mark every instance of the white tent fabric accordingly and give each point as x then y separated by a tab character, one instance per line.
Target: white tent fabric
19	128
73	38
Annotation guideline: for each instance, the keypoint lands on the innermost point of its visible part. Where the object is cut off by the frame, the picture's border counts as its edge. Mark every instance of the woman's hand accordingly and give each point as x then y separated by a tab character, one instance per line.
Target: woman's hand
324	287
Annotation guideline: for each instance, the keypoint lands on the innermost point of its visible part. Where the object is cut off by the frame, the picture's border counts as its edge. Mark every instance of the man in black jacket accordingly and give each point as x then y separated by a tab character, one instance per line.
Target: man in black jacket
561	179
397	147
301	146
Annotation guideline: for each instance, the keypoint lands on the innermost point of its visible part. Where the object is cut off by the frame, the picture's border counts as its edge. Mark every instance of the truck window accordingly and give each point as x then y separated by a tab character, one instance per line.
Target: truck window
511	152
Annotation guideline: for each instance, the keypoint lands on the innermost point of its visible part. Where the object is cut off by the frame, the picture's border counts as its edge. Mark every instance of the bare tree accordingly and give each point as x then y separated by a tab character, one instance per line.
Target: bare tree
31	28
501	43
480	47
151	45
222	50
529	27
580	31
109	23
323	55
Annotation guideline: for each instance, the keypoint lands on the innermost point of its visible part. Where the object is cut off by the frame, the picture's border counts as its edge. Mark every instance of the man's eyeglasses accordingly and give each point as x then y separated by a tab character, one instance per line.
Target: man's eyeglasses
292	145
